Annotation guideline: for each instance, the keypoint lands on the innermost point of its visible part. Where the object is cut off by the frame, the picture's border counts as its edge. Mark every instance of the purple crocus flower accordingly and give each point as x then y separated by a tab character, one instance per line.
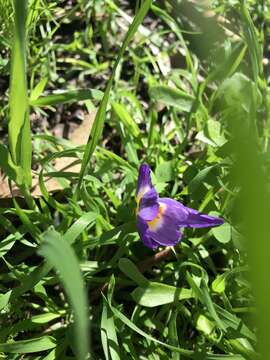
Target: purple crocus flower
159	220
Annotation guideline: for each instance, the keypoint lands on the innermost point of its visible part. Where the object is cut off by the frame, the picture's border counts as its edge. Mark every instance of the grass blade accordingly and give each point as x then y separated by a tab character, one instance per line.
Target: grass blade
100	117
108	334
60	255
66	97
29	346
251	37
19	124
79	226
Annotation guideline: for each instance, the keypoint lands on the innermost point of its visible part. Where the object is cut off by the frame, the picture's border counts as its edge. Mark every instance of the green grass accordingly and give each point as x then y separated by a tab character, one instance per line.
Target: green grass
173	86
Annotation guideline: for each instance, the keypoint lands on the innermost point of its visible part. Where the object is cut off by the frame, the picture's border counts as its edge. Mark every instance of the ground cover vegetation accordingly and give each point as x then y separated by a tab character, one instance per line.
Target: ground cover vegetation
89	90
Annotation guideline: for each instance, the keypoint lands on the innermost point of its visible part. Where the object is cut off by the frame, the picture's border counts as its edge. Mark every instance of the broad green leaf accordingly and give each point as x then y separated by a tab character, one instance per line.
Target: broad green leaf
171	97
66	97
156	294
19	124
29	345
223	233
61	256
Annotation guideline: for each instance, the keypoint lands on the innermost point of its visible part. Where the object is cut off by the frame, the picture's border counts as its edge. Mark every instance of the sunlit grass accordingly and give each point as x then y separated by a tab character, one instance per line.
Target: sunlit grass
173	85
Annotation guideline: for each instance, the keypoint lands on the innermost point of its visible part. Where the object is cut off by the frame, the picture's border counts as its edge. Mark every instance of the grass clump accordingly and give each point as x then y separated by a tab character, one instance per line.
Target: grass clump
180	85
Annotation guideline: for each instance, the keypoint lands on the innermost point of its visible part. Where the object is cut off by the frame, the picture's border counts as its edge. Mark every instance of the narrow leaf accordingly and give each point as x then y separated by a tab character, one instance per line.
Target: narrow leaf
100	117
171	97
19	124
67	96
108	334
61	256
29	346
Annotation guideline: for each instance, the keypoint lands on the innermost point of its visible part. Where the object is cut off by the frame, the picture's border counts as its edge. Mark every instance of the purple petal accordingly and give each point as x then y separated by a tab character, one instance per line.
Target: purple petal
165	228
143	232
187	217
175	210
148	205
198	220
144	180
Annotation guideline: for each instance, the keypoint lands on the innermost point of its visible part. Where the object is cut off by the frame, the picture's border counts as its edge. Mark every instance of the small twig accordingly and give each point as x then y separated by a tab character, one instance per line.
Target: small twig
142	266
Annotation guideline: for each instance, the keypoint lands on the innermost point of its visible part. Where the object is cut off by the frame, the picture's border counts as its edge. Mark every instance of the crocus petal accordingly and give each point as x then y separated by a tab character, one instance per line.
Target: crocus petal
187	217
143	232
175	210
148	205
164	229
144	181
198	220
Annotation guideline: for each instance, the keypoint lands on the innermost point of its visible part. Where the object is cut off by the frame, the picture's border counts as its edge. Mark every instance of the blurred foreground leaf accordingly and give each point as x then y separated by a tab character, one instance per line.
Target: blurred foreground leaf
61	256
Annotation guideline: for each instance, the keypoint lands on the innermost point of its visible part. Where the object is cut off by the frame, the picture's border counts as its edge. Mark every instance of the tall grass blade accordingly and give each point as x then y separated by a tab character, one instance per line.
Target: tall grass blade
253	177
19	124
100	117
